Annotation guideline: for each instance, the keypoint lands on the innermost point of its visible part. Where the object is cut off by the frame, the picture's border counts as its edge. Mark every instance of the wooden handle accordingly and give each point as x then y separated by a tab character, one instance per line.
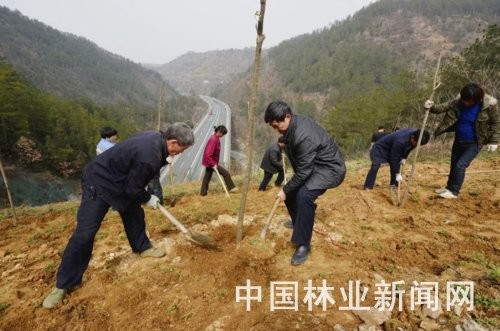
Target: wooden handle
269	218
222	182
172	219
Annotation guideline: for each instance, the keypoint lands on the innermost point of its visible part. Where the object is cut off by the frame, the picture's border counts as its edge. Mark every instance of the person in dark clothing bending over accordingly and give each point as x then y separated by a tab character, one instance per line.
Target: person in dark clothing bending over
117	178
317	164
393	149
272	163
473	116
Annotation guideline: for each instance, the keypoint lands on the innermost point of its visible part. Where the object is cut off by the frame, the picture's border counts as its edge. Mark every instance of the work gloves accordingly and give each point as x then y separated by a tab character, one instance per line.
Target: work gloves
402	162
399	178
492	147
428	104
153	202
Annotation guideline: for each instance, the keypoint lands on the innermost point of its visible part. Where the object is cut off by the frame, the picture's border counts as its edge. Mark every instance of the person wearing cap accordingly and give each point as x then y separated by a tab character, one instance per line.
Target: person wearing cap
117	179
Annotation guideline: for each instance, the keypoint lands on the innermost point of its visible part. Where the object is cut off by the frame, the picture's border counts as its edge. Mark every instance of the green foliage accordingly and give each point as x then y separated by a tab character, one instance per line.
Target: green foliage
4	306
353	120
478	63
72	66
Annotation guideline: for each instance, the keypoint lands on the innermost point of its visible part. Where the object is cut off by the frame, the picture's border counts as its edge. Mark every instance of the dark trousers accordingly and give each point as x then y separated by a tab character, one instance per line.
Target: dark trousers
371	176
208	176
302	209
267	179
462	155
78	251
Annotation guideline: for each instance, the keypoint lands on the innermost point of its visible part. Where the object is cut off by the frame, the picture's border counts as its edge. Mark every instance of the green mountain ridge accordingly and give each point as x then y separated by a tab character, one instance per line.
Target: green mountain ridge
74	67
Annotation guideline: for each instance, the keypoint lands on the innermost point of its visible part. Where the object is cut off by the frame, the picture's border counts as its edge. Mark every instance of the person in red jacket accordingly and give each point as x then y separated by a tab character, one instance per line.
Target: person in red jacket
211	161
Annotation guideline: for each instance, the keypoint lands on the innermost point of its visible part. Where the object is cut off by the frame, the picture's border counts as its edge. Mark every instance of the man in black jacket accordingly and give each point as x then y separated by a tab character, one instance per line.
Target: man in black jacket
118	179
272	163
317	164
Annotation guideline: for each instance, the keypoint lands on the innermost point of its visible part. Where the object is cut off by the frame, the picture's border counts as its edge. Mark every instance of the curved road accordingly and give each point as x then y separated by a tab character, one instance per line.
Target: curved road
187	166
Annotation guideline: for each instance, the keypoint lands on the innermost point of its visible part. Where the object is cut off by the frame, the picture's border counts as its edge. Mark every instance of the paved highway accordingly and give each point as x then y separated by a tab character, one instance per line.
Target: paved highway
187	166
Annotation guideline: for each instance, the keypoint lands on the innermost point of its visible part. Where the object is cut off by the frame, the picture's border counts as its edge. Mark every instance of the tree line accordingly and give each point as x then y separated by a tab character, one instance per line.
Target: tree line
47	132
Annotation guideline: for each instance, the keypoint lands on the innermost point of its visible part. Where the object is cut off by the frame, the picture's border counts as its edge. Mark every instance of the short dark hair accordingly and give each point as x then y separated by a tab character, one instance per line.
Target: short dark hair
471	92
181	132
221	128
281	139
108	132
425	137
381	127
277	111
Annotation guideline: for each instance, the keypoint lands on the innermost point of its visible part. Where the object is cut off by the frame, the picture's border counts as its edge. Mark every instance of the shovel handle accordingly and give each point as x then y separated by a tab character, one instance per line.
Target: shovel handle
269	218
284	166
172	219
222	182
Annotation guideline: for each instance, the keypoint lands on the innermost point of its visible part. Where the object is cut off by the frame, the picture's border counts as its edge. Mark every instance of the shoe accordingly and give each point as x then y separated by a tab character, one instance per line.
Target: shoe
441	190
301	254
54	297
288	224
153	252
233	190
448	195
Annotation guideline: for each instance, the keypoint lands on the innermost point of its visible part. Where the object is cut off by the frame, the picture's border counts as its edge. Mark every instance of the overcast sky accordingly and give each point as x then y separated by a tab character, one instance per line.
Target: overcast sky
158	31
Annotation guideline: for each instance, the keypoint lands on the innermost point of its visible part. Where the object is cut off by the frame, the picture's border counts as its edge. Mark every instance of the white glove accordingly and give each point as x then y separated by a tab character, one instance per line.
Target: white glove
153	202
402	162
428	104
492	147
399	178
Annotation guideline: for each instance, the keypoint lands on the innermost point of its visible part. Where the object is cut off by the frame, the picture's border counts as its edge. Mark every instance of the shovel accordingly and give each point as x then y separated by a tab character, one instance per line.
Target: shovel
222	182
284	166
197	238
269	218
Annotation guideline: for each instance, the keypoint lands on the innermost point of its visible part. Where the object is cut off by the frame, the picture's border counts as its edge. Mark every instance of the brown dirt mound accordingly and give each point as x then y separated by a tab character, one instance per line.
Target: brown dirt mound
359	235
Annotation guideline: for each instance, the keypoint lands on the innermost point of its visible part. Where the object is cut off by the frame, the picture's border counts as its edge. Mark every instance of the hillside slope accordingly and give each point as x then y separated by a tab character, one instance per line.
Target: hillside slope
74	67
315	72
207	72
359	235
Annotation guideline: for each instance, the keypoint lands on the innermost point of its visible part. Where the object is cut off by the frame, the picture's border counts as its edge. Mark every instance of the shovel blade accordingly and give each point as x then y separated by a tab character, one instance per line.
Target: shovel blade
202	240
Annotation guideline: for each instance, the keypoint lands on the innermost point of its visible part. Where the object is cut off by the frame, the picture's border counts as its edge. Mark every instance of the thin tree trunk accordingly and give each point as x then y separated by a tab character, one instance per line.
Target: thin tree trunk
8	192
251	119
435	85
160	106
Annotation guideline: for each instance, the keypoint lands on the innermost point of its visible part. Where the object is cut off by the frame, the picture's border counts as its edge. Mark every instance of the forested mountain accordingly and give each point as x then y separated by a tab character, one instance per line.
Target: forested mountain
58	90
370	69
204	73
72	66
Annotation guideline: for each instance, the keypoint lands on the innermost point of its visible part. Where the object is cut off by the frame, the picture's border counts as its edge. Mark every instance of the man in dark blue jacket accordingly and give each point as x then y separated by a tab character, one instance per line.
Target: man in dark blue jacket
393	149
272	163
118	179
317	164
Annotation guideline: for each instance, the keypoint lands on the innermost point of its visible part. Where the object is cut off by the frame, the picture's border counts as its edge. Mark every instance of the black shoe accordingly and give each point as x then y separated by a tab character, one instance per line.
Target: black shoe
288	224
301	254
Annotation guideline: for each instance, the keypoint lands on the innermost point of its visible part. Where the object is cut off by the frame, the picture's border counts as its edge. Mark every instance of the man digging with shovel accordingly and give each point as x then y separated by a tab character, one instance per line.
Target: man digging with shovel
117	179
317	164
